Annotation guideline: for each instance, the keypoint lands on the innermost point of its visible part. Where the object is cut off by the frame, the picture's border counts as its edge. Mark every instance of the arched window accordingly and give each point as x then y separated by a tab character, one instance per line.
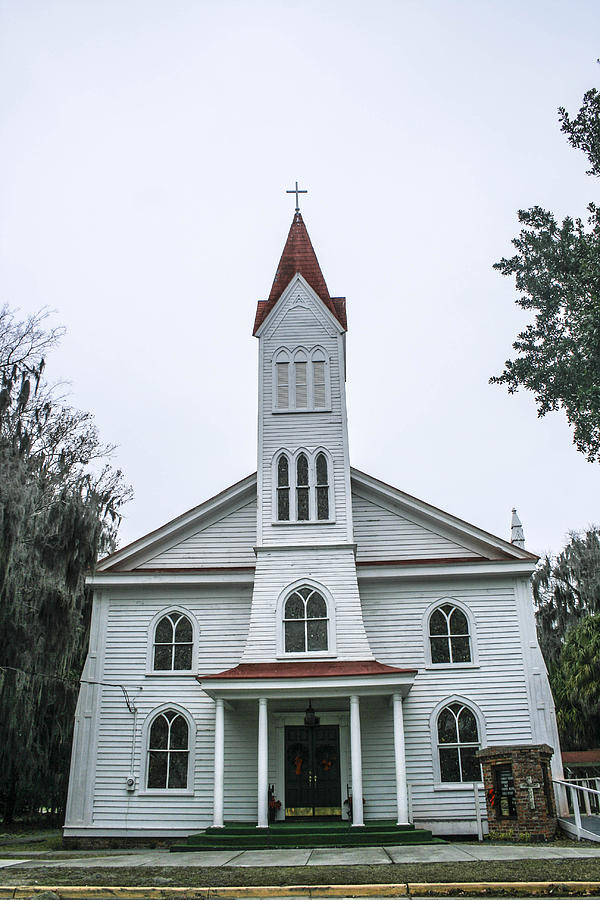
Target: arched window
282	376
449	635
300	380
458	742
302	489
302	486
283	489
168	751
305	622
319	384
322	487
173	643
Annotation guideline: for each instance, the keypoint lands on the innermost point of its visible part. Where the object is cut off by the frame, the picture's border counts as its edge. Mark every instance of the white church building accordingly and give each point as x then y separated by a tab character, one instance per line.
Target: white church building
308	637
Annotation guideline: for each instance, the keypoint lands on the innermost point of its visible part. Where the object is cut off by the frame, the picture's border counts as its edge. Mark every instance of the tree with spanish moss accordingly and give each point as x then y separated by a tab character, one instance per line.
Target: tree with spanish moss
566	588
60	502
557	272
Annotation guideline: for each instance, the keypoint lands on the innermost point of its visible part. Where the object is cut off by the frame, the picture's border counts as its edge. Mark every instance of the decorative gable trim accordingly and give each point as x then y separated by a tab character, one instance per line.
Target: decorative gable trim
299	293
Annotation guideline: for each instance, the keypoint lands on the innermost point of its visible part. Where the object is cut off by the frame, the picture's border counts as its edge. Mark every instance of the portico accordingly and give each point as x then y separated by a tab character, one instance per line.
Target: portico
340	692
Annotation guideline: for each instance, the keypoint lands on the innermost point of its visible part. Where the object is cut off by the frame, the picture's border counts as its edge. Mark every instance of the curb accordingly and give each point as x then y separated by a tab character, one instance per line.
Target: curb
468	888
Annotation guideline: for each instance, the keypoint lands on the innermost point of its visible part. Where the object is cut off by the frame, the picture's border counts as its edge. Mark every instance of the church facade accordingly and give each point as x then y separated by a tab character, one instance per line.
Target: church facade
310	642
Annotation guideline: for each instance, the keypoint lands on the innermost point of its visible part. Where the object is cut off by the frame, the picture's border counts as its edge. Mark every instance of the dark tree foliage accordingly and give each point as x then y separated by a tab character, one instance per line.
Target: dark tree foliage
59	510
557	271
575	684
565	589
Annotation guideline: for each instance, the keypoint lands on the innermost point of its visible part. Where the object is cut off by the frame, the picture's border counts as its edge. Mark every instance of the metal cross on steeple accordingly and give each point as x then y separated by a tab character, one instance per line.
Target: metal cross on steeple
296	191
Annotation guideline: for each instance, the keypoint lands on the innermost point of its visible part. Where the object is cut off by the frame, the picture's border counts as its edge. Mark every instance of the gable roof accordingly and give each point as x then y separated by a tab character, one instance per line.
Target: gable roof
488	545
299	257
151	544
137	555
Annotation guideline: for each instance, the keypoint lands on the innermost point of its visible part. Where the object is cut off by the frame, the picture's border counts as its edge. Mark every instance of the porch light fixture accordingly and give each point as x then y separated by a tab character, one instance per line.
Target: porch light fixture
310	719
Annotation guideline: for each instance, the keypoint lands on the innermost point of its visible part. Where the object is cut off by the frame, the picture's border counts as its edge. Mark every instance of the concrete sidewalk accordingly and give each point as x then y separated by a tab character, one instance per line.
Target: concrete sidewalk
370	856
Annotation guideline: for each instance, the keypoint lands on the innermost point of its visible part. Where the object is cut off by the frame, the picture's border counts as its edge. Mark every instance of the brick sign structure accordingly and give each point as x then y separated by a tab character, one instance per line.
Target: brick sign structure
518	790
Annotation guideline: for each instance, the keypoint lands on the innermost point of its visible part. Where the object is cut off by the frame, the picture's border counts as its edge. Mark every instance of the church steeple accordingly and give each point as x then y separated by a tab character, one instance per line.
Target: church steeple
304	525
299	257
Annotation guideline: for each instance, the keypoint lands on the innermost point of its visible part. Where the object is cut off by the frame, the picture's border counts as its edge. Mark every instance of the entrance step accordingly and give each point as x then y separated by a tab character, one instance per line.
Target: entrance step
314	828
242	836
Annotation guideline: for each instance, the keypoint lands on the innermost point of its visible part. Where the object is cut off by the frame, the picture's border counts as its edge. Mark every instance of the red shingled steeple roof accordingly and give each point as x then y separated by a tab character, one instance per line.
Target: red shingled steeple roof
299	256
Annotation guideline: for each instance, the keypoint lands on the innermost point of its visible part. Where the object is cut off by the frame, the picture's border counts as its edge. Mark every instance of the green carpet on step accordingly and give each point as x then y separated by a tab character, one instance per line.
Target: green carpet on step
305	835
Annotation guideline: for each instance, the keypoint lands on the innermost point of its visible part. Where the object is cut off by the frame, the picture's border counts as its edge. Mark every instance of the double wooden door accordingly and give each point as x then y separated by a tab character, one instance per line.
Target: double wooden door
312	770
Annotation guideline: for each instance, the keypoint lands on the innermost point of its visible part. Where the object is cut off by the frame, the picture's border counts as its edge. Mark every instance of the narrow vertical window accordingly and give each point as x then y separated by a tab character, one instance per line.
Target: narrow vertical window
283	385
283	489
322	487
319	392
301	386
302	510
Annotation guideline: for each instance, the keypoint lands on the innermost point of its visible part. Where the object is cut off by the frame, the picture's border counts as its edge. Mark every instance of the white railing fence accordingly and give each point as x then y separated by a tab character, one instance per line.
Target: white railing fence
578	797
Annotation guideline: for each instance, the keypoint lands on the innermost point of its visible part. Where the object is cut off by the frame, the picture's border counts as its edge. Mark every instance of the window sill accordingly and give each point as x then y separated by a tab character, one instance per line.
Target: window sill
312	654
437	666
287	412
165	792
171	673
456	785
305	522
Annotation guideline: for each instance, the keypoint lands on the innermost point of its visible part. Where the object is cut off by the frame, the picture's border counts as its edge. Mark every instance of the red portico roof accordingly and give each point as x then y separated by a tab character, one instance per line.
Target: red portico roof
310	669
299	256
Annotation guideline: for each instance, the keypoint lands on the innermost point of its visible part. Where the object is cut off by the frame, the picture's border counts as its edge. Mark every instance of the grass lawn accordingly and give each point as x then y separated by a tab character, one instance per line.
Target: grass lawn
31	839
514	870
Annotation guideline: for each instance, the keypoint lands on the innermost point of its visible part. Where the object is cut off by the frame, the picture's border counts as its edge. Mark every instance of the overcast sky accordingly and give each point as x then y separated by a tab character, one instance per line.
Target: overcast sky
145	150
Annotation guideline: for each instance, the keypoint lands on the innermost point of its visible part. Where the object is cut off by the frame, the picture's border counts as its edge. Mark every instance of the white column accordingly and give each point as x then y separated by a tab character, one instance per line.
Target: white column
263	764
219	763
356	755
400	757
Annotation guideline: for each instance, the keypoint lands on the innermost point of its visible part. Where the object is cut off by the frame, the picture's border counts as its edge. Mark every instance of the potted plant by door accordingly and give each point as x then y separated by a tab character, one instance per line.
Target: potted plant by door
274	804
348	803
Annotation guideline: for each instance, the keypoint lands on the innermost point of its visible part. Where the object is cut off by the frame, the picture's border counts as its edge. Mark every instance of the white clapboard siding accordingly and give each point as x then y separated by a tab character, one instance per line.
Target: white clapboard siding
222	614
394	620
305	325
384	535
241	763
227	542
378	763
334	570
379	533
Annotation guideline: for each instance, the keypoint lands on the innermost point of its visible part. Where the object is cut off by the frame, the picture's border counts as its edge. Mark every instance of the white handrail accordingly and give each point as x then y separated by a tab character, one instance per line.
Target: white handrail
577	780
578	787
586	791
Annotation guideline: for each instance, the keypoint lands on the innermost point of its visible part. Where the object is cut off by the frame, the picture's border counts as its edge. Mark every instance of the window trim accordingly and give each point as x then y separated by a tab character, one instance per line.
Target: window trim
171	673
331	625
452	601
167	792
301	354
292	458
438	784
